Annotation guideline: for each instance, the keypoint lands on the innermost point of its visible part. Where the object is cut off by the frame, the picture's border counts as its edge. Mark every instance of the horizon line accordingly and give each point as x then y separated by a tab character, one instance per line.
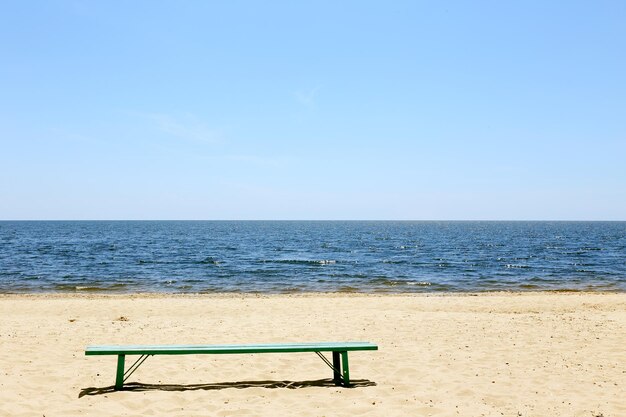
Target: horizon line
312	220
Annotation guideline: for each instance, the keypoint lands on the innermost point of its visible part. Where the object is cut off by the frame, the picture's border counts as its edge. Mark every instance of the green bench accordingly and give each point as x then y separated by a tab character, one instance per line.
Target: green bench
339	365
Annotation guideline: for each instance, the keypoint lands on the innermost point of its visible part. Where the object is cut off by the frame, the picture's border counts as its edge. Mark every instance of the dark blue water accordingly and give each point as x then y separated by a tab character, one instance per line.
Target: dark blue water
267	256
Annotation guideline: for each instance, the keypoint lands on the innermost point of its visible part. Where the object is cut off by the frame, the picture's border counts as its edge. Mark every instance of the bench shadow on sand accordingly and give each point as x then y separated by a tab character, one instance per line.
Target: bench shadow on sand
140	387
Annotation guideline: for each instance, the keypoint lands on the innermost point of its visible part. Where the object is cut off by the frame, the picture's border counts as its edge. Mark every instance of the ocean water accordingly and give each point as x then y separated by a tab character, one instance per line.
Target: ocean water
302	256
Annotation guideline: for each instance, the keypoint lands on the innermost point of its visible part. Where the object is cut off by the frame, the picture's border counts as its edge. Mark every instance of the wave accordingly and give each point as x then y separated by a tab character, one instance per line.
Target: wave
529	286
397	282
90	287
300	261
206	261
209	260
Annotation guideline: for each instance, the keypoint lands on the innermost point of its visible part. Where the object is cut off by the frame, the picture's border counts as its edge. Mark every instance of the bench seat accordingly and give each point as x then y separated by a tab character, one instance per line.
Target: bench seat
339	365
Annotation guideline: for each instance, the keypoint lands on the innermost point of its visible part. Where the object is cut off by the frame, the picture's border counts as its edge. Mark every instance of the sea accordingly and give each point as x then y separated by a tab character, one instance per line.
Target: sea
311	256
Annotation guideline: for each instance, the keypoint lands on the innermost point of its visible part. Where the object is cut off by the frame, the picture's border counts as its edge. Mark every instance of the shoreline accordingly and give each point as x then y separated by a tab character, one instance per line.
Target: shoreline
303	294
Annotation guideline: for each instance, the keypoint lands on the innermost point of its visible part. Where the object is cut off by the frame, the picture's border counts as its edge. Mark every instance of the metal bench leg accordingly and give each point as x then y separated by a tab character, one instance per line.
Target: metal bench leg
119	377
346	370
336	368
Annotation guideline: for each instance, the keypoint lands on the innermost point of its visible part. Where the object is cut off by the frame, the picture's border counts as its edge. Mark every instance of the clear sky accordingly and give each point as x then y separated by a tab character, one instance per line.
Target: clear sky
325	110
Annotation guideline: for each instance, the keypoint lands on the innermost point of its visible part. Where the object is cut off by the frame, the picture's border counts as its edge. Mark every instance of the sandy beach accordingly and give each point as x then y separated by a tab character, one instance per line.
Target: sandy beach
530	354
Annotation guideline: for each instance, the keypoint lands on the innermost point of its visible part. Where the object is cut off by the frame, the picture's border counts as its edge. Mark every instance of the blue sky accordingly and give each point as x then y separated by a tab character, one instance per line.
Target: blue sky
326	110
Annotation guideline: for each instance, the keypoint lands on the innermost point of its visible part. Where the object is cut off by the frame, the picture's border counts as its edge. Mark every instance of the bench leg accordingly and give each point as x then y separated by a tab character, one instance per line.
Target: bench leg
119	376
337	368
346	369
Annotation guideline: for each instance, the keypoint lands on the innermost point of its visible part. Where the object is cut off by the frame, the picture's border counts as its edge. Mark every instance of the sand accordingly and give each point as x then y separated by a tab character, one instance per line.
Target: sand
532	354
